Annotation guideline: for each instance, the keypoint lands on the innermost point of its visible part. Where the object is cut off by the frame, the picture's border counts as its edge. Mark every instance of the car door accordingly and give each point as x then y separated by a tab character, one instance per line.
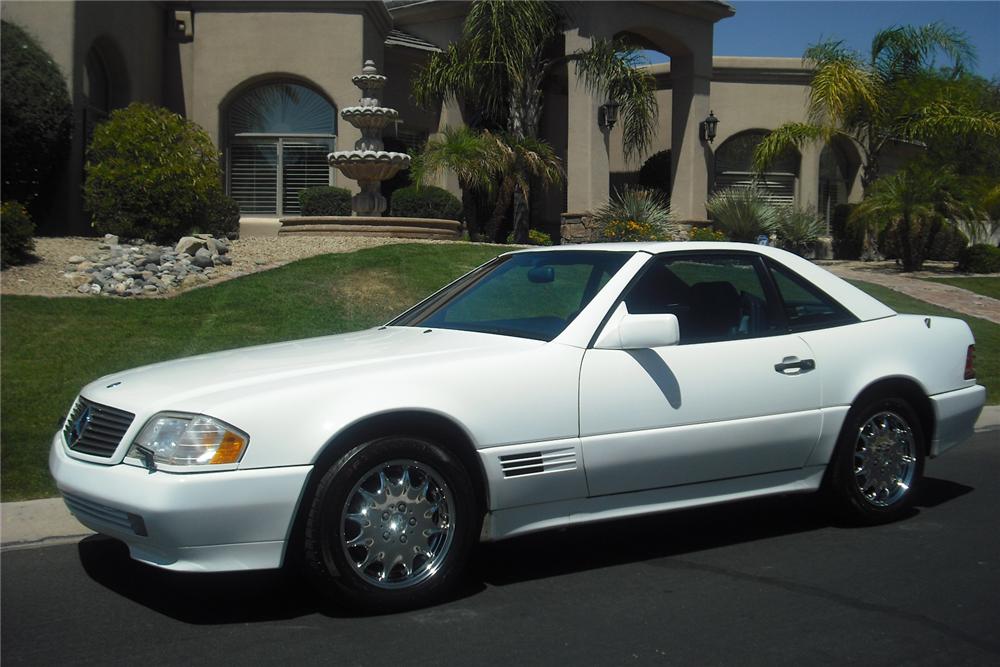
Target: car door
739	395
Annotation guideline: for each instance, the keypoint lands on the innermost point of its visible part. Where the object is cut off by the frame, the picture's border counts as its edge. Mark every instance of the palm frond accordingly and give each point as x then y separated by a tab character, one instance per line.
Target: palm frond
901	51
840	88
470	155
610	68
785	137
946	118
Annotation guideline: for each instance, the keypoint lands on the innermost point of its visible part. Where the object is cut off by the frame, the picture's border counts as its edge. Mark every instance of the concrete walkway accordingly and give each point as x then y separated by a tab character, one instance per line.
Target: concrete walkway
953	298
37	523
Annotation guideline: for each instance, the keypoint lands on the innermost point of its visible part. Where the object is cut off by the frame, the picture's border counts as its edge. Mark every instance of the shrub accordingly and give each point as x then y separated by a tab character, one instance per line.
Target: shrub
223	219
35	115
16	232
636	215
426	201
538	237
655	172
979	258
742	214
151	174
947	243
705	234
325	200
798	229
848	240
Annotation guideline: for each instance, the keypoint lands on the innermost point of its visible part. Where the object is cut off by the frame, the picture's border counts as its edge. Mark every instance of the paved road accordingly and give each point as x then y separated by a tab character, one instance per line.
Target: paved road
765	582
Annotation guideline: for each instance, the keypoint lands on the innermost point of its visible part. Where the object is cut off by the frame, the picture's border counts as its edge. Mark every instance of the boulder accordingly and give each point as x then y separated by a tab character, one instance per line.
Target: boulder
190	245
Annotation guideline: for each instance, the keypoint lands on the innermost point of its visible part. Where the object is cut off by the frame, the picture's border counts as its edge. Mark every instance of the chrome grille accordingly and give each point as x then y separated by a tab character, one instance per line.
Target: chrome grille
95	429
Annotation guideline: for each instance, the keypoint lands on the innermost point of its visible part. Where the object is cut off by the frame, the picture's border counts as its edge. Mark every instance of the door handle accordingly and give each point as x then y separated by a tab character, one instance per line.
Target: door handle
791	363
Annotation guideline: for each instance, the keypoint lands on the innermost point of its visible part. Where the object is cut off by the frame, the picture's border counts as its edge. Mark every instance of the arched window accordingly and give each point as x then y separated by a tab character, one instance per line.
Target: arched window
734	167
105	83
278	136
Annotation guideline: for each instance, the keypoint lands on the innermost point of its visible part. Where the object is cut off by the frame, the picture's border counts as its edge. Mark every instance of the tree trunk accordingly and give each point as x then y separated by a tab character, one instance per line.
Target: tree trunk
499	209
522	216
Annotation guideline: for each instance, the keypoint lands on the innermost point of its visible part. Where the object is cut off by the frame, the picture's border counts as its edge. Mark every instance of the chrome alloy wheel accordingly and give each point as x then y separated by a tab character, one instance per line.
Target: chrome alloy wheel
397	524
885	459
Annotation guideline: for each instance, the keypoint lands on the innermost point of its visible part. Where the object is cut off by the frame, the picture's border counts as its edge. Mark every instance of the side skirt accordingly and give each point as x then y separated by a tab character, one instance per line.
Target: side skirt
506	523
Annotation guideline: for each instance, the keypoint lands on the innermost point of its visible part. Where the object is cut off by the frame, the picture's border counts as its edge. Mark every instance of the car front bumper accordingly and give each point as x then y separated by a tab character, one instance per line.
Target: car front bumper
955	415
192	522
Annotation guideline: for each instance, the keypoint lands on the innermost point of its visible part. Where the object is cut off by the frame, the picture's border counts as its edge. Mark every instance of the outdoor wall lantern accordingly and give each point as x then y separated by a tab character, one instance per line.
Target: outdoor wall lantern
708	127
607	115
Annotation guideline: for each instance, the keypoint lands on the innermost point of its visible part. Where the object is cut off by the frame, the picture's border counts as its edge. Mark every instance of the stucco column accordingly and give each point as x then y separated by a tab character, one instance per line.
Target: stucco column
451	116
692	158
586	146
809	176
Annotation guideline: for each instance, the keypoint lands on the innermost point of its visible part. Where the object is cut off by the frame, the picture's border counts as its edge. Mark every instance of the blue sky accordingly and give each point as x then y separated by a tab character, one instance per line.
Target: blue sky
768	28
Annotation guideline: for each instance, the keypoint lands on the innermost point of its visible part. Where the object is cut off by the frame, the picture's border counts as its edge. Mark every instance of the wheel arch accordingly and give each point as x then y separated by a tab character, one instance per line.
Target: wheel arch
908	389
431	425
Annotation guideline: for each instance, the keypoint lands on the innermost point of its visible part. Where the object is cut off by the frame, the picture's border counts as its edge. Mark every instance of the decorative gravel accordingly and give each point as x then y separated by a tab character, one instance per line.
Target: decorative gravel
45	277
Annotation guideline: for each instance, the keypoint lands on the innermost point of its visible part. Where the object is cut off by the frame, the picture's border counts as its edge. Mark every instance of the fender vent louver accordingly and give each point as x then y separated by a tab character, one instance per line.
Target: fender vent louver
528	463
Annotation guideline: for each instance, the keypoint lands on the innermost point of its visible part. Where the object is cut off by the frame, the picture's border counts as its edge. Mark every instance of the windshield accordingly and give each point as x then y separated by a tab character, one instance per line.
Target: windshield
530	295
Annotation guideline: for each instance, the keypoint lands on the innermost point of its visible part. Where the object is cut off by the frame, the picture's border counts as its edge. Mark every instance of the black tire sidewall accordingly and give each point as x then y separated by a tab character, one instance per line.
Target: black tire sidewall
323	528
843	490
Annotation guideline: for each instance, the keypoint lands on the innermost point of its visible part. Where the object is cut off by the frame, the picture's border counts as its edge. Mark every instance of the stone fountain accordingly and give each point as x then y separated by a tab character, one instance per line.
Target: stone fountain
369	163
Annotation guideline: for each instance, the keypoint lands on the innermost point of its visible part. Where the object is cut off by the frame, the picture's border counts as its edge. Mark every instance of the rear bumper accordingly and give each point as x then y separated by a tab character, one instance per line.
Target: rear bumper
955	415
197	522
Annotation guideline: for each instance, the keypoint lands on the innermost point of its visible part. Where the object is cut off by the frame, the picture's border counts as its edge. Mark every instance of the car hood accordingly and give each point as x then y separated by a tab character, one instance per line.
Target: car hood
174	384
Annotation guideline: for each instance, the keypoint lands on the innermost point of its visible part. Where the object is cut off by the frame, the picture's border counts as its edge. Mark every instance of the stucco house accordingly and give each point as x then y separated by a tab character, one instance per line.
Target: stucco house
266	78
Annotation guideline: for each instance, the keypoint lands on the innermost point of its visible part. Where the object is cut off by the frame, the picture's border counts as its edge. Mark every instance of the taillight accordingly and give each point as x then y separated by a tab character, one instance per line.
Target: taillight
970	363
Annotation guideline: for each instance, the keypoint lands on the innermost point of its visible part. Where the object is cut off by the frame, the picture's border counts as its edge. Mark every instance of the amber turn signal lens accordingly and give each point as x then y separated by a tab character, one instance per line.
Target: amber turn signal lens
229	449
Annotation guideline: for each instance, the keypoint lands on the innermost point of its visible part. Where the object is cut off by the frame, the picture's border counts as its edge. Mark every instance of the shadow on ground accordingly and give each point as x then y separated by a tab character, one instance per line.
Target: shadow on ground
245	597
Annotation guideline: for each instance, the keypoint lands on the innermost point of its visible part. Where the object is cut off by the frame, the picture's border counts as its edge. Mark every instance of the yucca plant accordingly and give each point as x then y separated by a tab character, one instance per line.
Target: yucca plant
798	229
637	215
742	213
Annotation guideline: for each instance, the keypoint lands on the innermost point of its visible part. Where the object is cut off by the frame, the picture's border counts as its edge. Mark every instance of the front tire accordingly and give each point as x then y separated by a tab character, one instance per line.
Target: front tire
392	524
878	462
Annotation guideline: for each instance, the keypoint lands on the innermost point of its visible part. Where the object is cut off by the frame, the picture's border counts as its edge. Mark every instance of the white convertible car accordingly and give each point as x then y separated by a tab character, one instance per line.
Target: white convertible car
546	388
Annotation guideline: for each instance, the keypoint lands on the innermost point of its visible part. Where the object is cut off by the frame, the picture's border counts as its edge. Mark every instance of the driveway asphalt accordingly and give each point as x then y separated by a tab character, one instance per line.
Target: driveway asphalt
769	581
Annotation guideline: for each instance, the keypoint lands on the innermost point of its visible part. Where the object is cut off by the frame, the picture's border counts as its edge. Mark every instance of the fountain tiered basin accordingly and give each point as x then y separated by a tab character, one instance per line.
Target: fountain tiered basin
370	164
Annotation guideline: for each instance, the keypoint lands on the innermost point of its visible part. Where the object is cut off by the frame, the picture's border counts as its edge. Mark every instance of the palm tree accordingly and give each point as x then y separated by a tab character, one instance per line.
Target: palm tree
894	94
499	67
912	204
473	160
495	166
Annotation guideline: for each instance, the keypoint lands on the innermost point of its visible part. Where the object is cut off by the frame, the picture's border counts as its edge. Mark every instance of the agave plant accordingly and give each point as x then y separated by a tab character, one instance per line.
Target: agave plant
637	215
742	213
798	228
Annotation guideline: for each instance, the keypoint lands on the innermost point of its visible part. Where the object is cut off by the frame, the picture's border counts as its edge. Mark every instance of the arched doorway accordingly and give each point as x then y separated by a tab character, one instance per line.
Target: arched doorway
837	169
734	168
105	84
277	138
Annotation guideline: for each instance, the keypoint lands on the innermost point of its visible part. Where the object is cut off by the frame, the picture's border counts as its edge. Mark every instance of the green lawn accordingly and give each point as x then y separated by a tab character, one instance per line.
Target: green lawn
984	286
52	347
987	334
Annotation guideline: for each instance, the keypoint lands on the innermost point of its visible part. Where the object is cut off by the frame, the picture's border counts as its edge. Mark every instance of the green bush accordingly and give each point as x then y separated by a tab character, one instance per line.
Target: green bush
636	215
799	229
848	240
705	234
655	172
538	237
947	243
151	174
935	240
223	219
425	201
325	200
742	213
979	258
35	115
16	232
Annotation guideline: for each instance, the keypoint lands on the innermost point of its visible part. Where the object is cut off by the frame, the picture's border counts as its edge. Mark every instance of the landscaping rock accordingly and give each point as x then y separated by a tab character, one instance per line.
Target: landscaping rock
142	269
190	245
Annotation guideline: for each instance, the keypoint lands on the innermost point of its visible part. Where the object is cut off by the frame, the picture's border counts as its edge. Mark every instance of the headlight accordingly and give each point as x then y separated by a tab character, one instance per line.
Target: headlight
188	440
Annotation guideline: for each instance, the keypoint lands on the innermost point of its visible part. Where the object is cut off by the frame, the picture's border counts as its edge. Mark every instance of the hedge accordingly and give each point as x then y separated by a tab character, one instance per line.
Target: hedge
979	258
16	235
325	200
426	201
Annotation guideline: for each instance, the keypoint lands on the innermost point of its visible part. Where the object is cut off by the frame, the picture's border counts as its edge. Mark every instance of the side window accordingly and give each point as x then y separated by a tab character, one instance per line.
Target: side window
805	306
715	298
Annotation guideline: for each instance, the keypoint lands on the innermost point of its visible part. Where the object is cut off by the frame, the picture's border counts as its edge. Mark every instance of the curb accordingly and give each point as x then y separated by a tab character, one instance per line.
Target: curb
32	524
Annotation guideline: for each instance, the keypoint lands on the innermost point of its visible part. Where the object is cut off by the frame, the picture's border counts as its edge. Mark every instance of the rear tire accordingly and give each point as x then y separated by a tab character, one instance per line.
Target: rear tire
878	463
391	525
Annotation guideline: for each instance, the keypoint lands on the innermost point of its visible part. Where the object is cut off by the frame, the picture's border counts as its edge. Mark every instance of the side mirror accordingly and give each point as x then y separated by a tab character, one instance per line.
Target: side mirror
625	331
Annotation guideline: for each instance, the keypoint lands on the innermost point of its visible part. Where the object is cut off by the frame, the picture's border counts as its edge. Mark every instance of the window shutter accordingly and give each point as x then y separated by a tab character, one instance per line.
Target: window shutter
253	177
304	165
